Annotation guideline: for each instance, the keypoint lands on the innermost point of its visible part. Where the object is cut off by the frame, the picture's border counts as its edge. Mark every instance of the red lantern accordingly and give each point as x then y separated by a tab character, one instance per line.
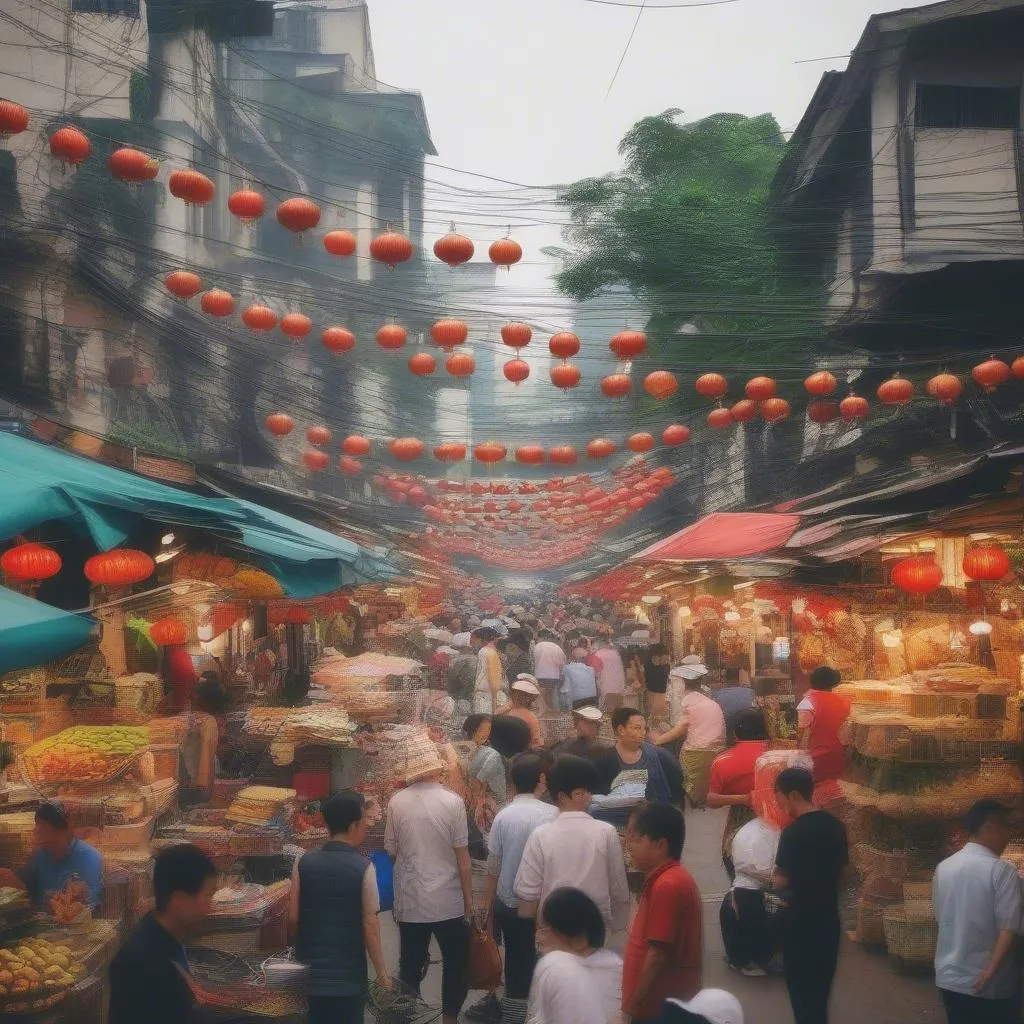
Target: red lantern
563	455
391	248
661	384
217	302
119	568
454	249
338	339
280	424
194	188
564	345
565	376
423	364
418	496
447	333
896	391
744	410
355	444
168	632
711	385
617	385
986	563
315	462
133	166
774	410
822	412
530	455
350	466
759	389
1017	367
489	451
600	448
505	252
13	118
674	435
340	243
853	407
296	325
820	383
318	436
30	563
391	337
516	335
628	344
247	205
719	419
516	370
259	318
450	452
461	364
640	443
70	145
183	284
946	387
990	374
917	575
298	215
407	449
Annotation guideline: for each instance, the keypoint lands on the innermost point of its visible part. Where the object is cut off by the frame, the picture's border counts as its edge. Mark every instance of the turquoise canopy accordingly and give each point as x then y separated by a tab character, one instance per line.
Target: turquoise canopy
32	633
41	484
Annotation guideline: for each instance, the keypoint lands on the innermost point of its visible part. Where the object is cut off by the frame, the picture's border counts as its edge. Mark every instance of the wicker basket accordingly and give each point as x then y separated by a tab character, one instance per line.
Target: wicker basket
225	790
127	837
910	940
159	797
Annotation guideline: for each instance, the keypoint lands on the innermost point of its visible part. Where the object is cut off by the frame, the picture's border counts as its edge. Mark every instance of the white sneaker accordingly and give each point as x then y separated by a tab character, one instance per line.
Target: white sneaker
753	971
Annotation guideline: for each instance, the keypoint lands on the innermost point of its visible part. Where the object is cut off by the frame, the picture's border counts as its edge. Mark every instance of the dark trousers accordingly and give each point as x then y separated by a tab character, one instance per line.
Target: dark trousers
453	938
745	928
961	1009
337	1009
810	952
518	935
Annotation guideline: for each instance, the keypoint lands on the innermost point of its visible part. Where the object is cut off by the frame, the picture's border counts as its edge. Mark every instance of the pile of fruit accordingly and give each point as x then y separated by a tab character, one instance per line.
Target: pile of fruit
36	966
84	753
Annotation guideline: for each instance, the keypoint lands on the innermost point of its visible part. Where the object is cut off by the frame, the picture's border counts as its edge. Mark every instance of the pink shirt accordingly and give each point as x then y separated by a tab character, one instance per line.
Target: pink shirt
705	722
611	673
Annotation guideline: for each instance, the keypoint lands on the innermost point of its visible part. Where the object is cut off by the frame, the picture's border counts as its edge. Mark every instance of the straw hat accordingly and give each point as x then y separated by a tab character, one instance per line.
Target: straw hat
421	760
525	683
589	712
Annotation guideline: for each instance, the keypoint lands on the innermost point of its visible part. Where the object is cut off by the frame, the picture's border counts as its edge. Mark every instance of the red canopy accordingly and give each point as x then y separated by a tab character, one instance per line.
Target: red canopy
724	535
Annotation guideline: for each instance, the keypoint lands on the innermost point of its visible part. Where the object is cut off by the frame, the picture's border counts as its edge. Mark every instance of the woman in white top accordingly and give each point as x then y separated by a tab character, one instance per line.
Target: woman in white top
577	980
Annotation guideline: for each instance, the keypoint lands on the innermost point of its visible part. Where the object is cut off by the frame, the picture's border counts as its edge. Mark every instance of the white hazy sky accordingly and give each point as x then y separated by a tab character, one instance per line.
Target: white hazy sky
516	89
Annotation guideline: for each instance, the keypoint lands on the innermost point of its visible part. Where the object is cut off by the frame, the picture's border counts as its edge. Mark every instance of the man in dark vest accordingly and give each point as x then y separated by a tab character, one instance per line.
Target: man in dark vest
333	915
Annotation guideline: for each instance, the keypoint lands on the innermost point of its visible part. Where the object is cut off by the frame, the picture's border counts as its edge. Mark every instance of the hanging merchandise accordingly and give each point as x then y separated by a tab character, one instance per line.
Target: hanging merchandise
565	376
247	205
454	249
338	339
391	248
340	243
298	215
70	145
391	336
280	424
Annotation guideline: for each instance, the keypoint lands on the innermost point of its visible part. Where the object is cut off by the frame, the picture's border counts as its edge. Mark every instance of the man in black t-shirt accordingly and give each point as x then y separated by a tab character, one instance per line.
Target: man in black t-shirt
808	867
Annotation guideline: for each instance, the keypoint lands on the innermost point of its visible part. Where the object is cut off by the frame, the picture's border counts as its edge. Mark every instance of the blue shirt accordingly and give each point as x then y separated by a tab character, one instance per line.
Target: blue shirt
732	700
512	827
44	876
579	681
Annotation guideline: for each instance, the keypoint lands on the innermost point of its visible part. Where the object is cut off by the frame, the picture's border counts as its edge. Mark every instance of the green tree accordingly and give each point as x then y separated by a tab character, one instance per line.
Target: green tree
685	226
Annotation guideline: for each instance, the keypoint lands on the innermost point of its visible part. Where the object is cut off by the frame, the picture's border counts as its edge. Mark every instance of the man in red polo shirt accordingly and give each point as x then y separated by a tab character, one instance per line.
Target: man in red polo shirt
732	777
663	955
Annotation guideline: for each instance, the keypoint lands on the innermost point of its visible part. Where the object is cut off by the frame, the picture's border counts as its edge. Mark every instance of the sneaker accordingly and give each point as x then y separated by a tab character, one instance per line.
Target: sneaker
753	971
487	1011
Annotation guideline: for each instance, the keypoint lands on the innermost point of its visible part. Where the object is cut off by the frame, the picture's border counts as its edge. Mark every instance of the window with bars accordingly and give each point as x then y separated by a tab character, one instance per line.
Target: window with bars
967	106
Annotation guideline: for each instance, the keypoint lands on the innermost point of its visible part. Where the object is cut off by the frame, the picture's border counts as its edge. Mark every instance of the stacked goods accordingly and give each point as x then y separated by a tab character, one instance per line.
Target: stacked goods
261	806
328	726
265	723
370	707
22	694
85	754
16	837
35	973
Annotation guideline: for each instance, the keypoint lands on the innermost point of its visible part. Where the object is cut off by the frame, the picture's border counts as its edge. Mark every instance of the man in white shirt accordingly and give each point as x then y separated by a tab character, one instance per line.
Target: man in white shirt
575	850
548	662
977	902
513	825
427	834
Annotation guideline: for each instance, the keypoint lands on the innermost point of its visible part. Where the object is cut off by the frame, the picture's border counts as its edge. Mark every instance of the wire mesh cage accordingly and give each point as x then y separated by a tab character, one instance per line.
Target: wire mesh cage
399	1005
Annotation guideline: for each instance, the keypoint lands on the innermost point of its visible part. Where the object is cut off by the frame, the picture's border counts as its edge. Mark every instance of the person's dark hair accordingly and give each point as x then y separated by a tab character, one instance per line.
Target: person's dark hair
570	773
572	913
472	723
546	758
526	772
510	735
485	633
342	811
183	868
621	717
441	621
731	677
547	634
209	695
795	780
657	650
982	813
748	724
824	678
660	820
694	684
54	816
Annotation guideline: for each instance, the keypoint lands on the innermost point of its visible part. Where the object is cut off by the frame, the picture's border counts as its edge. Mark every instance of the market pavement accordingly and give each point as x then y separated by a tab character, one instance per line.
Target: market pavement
867	990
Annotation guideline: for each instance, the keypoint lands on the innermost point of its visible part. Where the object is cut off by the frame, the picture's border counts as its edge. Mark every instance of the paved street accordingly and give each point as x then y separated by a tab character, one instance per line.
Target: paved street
867	990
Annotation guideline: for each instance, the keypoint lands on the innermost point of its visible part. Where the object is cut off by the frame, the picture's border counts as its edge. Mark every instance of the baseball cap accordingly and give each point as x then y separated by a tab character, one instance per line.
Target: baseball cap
589	712
525	683
713	1005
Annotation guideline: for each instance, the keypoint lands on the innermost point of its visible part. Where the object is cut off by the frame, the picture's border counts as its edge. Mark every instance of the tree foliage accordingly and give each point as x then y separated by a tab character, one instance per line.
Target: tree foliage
685	226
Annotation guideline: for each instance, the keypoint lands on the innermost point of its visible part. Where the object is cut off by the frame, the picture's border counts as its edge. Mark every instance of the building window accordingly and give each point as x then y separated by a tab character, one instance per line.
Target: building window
961	106
126	7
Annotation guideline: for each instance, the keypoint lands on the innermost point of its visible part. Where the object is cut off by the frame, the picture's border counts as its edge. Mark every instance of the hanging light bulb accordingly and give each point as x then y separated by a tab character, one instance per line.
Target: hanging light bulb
892	638
204	632
166	539
980	628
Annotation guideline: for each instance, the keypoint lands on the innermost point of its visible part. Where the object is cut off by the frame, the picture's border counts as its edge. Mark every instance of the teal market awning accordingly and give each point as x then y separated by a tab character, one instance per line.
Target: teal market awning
42	484
32	633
